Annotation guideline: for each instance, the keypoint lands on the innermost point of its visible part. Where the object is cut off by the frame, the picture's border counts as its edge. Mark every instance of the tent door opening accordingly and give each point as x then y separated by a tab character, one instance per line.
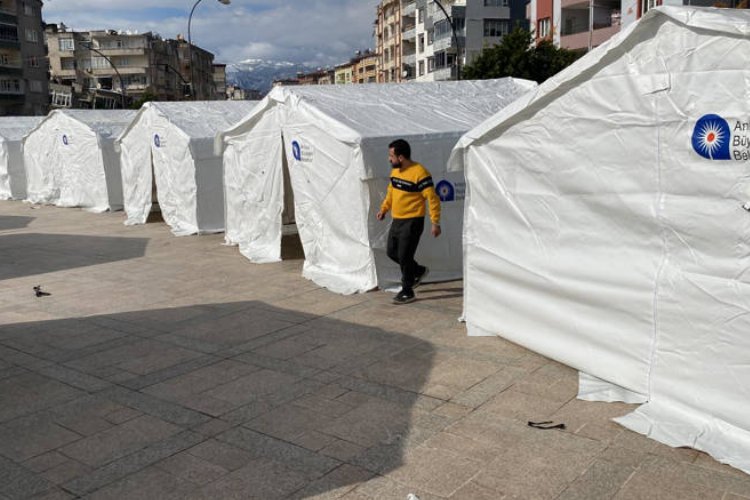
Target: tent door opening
291	245
155	214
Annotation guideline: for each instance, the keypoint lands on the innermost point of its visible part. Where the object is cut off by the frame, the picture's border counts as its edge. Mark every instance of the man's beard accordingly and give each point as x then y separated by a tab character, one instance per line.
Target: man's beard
396	164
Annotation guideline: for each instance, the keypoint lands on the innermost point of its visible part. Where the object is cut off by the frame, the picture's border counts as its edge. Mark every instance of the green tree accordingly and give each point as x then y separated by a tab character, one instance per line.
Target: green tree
146	97
516	56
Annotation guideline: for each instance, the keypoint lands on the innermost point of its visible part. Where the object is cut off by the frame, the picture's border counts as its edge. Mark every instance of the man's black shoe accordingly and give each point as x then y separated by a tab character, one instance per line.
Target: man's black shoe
420	277
404	297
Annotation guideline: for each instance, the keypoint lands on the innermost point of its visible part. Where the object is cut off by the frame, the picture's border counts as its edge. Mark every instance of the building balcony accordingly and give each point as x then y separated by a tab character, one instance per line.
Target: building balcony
8	17
448	43
410	59
122	51
9	42
409	9
11	71
447	73
409	34
580	40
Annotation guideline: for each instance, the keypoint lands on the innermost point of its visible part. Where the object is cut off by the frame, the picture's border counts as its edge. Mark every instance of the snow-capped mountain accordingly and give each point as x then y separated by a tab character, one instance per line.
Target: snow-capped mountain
258	74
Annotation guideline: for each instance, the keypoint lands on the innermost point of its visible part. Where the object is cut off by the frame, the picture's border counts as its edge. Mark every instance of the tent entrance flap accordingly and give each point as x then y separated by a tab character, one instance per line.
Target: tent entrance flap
287	214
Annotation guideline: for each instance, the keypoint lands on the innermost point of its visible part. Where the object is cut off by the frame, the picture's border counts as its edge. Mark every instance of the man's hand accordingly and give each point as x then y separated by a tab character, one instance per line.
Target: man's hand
380	215
436	230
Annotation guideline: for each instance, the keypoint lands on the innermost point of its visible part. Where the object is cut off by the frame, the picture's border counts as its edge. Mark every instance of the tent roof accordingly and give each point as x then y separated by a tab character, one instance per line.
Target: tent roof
380	110
14	128
722	22
105	122
202	119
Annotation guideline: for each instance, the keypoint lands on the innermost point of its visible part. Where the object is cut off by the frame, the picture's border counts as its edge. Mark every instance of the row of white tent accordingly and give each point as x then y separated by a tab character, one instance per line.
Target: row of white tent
605	221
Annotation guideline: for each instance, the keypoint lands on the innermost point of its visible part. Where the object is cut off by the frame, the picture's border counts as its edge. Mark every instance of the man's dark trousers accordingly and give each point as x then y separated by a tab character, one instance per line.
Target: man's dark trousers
403	240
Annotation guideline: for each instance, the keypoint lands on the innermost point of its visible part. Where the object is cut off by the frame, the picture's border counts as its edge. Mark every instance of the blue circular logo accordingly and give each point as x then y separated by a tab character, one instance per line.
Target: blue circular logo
445	191
296	151
65	139
711	138
157	141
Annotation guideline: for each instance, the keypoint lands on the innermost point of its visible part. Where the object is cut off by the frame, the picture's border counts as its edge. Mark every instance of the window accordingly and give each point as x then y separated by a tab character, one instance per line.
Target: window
32	62
4	60
61	99
67	63
28	9
420	15
496	27
99	63
35	86
123	61
495	3
420	43
10	86
430	37
66	44
421	68
32	35
543	27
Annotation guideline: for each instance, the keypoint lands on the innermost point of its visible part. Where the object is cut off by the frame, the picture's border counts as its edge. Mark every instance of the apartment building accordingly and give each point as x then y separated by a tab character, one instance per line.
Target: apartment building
388	37
220	81
23	62
583	24
106	69
365	69
344	74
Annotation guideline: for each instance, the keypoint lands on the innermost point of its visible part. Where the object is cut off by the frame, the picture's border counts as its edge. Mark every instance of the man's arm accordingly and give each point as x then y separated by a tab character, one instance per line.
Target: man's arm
386	202
428	191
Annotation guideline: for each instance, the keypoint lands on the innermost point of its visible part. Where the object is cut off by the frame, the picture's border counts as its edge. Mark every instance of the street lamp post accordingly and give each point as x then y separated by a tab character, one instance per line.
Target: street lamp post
190	41
119	76
455	38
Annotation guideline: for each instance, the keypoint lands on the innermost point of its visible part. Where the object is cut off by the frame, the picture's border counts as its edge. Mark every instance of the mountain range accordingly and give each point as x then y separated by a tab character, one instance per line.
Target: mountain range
258	74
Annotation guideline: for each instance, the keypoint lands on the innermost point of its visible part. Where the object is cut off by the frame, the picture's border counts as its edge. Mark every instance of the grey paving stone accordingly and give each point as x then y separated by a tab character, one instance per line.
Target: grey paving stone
170	372
151	483
27	437
132	463
150	405
293	457
222	454
29	392
335	484
187	467
73	378
261	479
18	482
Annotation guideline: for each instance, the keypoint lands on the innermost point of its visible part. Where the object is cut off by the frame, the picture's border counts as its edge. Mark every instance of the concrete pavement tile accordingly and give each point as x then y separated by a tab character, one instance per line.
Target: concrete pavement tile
313	441
28	437
385	487
252	387
437	471
472	491
30	392
66	472
132	463
19	483
372	423
324	406
261	479
107	446
601	480
335	484
150	405
148	484
222	454
187	467
646	485
520	406
122	415
45	461
452	411
199	378
342	450
267	448
289	367
707	461
213	427
478	451
672	471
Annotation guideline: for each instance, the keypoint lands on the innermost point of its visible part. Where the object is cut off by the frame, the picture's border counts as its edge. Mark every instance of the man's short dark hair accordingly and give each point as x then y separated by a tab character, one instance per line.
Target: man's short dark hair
401	148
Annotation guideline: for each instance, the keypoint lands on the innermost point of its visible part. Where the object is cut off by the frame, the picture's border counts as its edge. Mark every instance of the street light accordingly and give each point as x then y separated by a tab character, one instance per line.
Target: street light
455	38
122	83
190	40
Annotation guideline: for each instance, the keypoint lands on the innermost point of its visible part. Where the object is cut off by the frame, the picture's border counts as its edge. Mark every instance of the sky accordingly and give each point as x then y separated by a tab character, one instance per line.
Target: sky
314	32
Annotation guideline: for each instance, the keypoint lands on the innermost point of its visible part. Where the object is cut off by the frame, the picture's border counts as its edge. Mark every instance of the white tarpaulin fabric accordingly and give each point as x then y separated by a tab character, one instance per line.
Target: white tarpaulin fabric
171	144
12	174
335	143
605	225
70	159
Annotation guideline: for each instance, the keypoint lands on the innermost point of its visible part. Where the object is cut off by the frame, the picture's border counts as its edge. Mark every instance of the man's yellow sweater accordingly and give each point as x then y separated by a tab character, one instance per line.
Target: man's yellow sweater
407	192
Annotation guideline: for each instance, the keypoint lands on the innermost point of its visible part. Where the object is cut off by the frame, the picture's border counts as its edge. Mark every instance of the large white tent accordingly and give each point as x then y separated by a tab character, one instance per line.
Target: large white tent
332	142
170	145
70	159
605	225
12	174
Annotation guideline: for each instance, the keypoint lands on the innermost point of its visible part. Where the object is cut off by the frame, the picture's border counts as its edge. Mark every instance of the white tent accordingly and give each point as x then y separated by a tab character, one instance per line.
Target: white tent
12	174
605	225
333	143
70	159
169	145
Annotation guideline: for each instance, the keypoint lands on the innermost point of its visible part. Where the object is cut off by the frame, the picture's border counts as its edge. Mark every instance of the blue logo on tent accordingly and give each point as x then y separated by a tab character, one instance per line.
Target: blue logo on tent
446	191
65	139
157	141
711	138
296	151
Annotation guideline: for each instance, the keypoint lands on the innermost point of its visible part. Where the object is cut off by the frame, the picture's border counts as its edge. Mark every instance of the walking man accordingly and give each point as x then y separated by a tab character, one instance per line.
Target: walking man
411	184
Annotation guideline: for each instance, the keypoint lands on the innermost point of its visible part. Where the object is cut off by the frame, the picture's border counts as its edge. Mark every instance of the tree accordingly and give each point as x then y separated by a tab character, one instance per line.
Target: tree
146	97
516	56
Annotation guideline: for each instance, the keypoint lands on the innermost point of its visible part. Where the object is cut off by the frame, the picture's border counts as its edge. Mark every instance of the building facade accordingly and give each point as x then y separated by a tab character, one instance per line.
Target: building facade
111	69
220	81
388	36
583	25
23	64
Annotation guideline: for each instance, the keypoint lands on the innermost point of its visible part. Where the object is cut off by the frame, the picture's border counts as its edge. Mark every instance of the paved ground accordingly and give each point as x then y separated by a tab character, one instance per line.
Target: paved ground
163	367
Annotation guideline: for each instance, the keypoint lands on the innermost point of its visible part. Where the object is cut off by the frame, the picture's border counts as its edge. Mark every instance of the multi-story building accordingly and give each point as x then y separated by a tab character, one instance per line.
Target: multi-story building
365	68
23	64
344	73
220	81
388	36
437	52
318	77
111	68
583	24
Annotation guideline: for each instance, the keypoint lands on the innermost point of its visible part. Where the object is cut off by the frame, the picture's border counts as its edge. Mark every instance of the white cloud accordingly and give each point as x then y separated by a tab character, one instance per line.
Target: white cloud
322	32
